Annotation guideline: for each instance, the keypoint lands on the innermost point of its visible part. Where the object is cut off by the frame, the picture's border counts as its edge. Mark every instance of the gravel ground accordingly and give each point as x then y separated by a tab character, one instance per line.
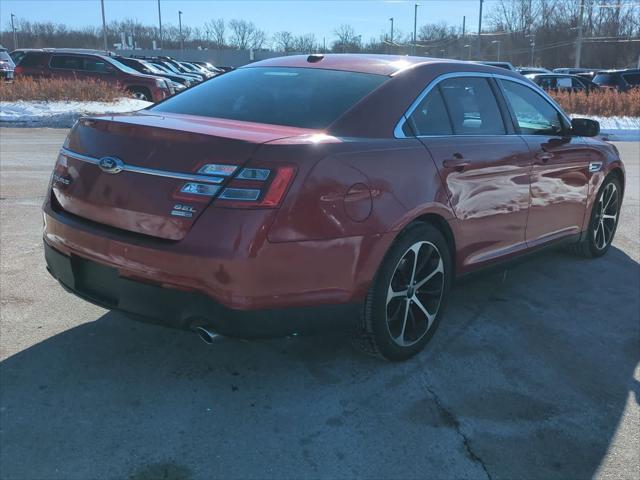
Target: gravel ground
533	374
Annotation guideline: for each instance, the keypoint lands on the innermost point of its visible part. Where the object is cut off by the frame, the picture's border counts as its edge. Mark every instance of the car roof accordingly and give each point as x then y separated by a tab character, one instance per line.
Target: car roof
621	70
367	63
549	74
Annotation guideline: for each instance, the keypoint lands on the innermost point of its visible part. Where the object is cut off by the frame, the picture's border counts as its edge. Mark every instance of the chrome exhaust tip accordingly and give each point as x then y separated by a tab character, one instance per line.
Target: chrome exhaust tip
207	335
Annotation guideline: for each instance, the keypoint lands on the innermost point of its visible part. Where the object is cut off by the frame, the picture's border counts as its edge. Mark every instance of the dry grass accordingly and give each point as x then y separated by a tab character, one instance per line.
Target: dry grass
603	102
25	88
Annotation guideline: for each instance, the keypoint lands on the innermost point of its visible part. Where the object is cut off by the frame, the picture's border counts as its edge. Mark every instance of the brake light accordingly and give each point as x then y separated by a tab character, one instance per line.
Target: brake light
251	188
248	188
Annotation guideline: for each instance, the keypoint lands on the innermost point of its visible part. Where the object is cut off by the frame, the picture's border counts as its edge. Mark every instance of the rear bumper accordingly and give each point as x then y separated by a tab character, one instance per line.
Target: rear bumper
103	286
224	273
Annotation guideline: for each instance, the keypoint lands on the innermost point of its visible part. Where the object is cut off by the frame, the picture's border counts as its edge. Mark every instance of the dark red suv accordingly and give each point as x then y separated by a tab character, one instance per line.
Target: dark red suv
82	65
302	192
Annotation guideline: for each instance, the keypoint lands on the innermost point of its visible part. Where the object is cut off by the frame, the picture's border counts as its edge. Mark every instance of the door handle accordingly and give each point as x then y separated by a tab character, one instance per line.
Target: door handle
544	157
457	163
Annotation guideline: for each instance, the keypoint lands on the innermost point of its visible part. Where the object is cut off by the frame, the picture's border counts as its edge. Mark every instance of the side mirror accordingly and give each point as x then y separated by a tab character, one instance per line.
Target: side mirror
583	127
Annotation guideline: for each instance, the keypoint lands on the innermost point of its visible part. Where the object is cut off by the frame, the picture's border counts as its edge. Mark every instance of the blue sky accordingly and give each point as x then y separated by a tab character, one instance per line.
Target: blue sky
370	18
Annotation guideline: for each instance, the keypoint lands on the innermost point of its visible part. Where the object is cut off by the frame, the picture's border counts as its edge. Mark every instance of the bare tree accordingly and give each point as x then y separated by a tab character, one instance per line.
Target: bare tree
242	33
305	43
216	30
283	41
258	39
347	40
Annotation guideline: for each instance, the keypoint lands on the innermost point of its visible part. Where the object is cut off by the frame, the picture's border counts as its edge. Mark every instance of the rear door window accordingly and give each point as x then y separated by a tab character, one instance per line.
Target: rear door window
67	62
547	83
534	114
96	65
564	82
472	106
607	79
430	117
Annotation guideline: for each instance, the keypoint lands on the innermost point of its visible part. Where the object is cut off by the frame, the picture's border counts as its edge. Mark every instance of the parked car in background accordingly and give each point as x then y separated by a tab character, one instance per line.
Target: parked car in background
621	80
561	82
191	67
505	65
309	192
177	67
147	68
7	66
575	70
529	70
210	66
69	64
171	68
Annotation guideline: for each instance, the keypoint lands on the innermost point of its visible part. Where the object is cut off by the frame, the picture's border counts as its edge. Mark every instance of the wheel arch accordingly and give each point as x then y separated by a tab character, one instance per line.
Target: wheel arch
617	172
443	226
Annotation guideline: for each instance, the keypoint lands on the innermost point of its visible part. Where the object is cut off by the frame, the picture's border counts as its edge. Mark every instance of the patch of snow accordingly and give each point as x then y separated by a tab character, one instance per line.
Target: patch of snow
61	114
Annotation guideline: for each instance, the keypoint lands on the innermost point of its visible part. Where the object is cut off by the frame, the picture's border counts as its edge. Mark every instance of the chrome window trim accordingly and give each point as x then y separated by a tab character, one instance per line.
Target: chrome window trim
147	171
398	133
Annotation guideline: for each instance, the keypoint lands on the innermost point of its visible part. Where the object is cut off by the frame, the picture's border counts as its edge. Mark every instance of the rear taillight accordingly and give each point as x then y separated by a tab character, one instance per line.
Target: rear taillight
257	187
246	188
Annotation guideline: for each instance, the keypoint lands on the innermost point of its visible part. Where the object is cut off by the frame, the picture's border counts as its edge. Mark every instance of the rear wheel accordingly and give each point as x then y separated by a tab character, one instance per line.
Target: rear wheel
604	220
140	93
405	303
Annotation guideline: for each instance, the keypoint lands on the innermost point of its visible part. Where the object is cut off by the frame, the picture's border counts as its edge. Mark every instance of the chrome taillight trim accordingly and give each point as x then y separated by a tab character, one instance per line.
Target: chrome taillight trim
146	171
246	175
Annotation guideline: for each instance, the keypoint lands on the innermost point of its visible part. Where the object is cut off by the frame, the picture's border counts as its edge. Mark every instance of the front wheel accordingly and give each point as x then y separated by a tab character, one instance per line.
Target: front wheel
604	220
406	301
140	94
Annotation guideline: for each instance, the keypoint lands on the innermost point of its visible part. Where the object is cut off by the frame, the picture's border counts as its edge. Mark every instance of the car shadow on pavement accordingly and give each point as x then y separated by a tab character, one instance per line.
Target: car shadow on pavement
529	376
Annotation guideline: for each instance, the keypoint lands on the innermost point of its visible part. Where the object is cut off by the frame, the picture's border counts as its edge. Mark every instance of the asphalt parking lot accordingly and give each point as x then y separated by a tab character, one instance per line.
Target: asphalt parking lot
532	375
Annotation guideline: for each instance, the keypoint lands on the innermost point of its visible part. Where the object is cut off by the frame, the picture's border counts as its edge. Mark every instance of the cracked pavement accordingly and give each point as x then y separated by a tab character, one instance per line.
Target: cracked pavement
533	374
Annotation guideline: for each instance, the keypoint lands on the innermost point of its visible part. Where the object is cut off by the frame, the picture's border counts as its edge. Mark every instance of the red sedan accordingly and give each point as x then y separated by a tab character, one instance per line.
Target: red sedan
301	193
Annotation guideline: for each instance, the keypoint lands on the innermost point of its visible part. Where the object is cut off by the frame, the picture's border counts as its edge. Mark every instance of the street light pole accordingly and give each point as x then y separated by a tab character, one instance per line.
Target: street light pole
180	26
160	23
498	42
480	32
415	28
579	40
104	28
15	37
532	39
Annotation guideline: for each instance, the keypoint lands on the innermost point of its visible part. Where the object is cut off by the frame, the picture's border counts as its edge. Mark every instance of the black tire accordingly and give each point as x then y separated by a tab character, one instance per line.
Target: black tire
375	336
592	245
140	93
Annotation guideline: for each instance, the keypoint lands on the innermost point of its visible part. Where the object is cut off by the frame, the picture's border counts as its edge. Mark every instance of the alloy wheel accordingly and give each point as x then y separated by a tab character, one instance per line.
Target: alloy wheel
415	293
606	216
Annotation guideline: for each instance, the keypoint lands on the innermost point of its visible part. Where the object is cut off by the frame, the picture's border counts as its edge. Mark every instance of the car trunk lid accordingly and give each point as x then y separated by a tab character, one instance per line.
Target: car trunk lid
127	171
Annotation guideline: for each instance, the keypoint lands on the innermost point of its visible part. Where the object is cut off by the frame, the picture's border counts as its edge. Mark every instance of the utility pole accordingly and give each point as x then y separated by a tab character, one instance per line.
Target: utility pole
579	41
391	39
464	25
180	27
498	42
15	37
415	28
532	39
160	23
104	29
480	32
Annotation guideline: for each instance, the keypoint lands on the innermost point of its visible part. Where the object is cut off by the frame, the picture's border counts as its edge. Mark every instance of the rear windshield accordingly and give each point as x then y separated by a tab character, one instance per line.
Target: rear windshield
298	97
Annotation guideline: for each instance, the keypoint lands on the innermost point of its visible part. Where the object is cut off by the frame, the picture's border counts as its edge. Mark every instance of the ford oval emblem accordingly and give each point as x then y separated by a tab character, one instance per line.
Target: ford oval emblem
111	165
